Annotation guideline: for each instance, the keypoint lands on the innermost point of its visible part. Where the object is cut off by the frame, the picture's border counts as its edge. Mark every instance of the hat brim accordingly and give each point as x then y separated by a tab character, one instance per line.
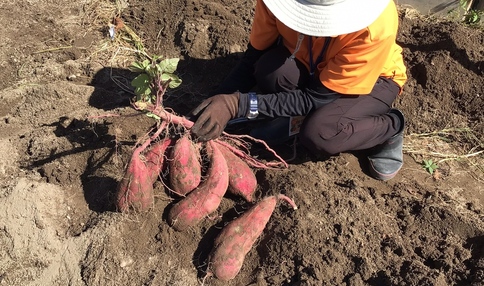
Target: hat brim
326	20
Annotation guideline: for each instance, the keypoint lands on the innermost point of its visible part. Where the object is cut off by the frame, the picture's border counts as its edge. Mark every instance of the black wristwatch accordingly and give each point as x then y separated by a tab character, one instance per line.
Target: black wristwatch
253	106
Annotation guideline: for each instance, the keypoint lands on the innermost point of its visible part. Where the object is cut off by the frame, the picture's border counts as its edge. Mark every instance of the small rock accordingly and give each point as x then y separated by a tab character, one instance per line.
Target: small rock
126	262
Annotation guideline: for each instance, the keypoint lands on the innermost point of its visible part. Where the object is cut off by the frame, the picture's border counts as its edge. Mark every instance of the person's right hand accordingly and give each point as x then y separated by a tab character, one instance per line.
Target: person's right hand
213	114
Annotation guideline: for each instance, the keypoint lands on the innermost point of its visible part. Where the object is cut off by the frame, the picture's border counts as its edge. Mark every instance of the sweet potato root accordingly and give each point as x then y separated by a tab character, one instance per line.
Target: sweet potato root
184	166
206	198
135	190
242	180
155	158
237	238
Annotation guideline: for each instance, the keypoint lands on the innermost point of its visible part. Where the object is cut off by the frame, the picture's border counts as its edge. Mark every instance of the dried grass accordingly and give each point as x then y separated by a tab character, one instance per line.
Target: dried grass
451	145
119	51
125	47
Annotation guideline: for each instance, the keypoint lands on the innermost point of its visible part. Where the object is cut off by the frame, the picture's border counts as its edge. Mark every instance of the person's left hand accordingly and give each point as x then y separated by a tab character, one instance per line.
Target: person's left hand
213	114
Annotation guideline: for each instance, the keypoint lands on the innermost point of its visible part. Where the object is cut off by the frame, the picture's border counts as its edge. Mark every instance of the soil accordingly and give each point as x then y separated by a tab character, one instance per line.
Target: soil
63	154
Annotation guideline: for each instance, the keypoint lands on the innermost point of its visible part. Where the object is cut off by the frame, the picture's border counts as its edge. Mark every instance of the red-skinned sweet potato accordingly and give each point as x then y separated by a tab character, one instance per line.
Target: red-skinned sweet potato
135	190
237	238
206	198
242	180
155	158
185	170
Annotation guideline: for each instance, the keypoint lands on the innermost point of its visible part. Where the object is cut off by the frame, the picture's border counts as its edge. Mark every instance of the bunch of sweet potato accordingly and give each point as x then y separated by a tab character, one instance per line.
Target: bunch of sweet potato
178	162
182	158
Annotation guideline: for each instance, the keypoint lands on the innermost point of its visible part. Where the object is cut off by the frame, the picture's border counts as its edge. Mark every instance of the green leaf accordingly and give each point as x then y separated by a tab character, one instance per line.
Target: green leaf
157	70
137	67
165	77
146	63
430	166
151	71
142	80
175	80
152	115
143	93
169	65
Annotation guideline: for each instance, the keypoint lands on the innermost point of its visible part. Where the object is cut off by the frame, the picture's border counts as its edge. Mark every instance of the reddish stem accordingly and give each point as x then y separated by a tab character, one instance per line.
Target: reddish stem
148	141
161	89
170	117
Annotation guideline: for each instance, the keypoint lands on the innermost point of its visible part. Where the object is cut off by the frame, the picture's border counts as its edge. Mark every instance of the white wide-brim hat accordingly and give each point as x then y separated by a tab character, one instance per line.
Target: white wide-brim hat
323	18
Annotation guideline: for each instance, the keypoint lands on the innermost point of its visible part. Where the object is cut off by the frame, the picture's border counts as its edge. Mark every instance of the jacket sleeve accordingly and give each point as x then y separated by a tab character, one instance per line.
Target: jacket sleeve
241	78
293	103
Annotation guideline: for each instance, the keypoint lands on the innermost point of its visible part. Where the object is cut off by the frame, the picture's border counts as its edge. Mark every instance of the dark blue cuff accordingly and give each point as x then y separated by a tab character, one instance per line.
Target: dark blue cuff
243	105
